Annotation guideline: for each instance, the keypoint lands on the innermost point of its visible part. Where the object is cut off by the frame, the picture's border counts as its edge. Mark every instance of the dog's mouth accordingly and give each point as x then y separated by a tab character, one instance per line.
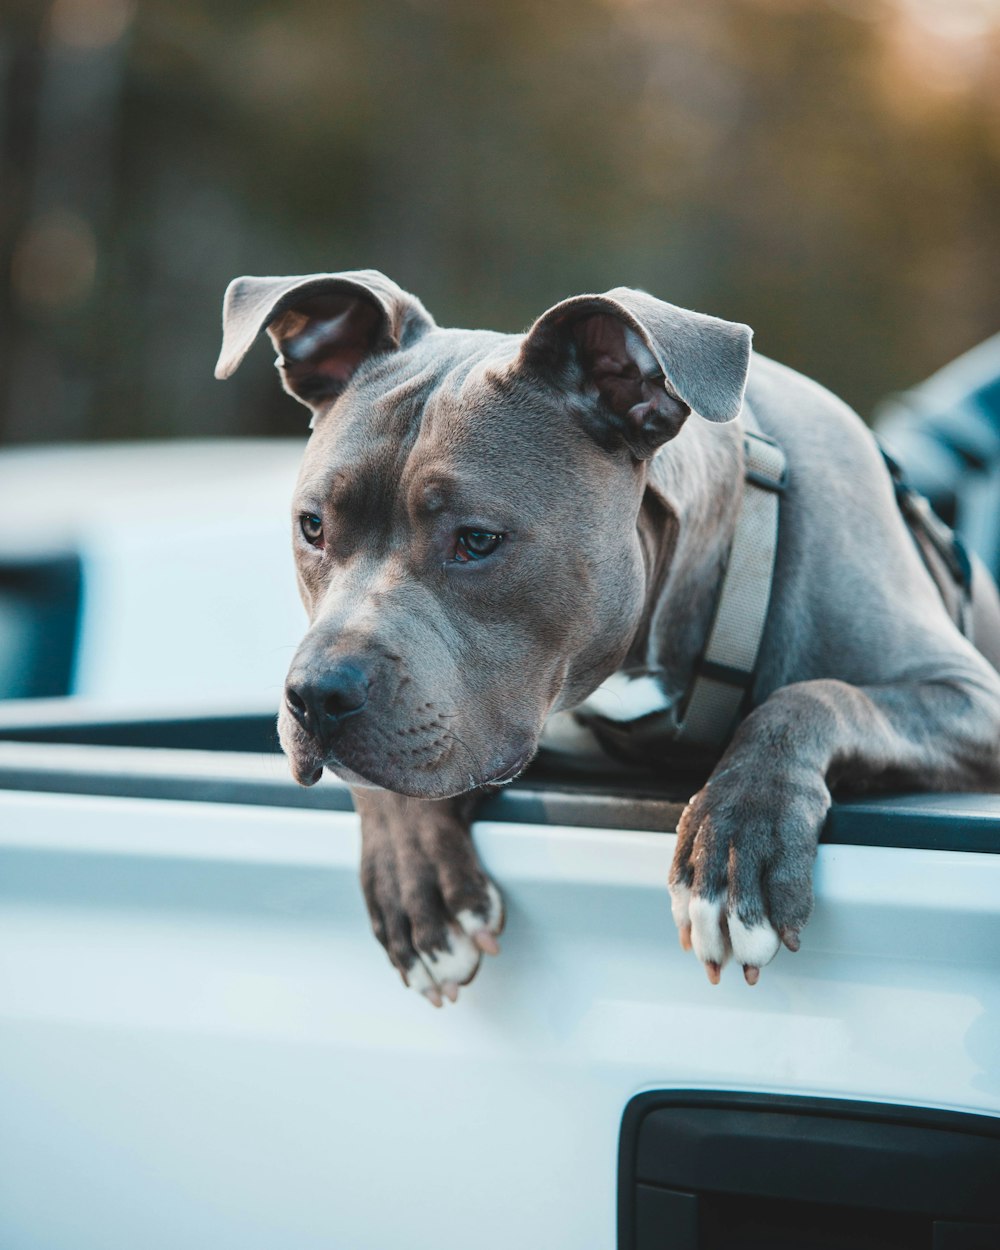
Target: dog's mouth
448	771
446	780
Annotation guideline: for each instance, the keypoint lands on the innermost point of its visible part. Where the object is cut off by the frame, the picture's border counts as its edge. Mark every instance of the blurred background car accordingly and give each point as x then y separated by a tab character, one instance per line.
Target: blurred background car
945	434
148	574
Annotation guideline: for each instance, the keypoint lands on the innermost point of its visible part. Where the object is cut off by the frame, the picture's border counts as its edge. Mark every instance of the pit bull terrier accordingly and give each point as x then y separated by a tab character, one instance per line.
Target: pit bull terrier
488	526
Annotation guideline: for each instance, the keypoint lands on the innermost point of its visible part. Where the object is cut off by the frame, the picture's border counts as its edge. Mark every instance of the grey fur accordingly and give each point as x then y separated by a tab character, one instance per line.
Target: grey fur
617	516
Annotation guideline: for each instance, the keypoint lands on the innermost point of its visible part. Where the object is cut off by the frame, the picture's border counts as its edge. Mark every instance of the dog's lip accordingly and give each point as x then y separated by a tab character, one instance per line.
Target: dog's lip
307	767
503	775
304	761
306	773
510	772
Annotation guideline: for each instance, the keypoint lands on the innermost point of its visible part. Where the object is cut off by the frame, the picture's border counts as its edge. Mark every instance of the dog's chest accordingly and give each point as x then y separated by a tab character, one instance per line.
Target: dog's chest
630	717
636	716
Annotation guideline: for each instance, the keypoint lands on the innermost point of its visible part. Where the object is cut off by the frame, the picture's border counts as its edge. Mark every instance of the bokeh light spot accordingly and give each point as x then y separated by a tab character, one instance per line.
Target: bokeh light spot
90	24
55	261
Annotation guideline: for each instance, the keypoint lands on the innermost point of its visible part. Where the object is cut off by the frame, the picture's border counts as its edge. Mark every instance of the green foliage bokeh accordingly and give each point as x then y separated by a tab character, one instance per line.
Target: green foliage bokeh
826	170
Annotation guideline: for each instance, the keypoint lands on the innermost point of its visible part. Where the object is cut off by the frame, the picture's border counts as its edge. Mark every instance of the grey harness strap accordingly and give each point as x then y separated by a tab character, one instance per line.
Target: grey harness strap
942	551
725	672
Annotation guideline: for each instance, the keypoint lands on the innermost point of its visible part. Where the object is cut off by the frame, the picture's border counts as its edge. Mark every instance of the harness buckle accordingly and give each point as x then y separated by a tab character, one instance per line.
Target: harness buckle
766	465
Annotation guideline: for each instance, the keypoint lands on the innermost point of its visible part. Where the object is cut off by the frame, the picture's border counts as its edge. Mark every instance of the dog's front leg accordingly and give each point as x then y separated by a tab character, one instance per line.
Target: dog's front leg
741	878
431	905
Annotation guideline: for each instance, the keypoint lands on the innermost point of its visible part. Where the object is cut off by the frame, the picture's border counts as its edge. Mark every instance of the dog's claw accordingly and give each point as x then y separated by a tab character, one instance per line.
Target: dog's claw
791	939
433	996
486	942
450	990
684	933
751	974
714	972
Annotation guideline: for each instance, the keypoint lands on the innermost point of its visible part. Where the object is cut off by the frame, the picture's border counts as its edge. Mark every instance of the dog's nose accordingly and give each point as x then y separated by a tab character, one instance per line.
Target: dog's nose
320	701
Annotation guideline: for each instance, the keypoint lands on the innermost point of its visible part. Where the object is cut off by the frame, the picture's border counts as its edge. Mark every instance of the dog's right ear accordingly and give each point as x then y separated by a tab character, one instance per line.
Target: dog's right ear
322	325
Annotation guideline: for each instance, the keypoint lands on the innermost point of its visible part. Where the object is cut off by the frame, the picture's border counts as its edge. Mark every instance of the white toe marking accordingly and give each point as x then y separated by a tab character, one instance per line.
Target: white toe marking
707	938
472	921
456	962
680	904
752	944
418	978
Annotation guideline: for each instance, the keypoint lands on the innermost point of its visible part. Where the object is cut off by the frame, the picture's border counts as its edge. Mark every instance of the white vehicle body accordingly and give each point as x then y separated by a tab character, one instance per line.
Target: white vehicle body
201	1043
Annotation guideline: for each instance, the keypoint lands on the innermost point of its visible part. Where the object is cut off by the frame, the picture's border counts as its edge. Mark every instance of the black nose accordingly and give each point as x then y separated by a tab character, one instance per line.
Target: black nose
319	700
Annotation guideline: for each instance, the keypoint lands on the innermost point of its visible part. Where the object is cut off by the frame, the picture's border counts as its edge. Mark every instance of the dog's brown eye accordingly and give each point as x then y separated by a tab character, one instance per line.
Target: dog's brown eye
475	545
312	528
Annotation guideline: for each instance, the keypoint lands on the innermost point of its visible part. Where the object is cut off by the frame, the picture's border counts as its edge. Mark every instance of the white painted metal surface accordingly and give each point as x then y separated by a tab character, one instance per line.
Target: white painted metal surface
202	1045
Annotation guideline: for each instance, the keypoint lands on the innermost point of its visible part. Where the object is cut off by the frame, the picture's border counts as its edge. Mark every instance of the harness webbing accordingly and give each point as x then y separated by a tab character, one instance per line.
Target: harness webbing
725	672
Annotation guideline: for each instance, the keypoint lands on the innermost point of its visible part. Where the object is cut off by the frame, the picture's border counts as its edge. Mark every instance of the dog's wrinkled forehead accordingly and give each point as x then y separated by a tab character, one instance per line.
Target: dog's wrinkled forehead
393	395
427	419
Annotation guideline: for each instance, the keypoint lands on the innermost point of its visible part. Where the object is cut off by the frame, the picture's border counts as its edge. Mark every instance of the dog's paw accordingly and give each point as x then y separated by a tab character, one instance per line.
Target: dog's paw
438	967
432	907
741	880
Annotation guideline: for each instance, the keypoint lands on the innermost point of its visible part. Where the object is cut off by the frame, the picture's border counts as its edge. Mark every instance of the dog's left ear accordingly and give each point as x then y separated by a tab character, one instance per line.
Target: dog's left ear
323	326
648	364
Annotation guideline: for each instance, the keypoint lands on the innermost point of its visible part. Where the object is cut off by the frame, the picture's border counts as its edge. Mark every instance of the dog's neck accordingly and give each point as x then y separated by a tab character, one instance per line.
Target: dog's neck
686	525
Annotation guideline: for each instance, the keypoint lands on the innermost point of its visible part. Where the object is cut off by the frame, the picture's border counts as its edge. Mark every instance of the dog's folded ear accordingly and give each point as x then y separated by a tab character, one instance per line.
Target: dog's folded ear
322	325
647	364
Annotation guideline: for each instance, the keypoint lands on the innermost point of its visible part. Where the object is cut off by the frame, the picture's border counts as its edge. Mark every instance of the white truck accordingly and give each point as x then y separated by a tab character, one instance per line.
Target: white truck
202	1045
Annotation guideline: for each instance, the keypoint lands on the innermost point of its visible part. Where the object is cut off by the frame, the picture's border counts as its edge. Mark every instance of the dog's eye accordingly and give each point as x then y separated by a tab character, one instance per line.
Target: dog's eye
475	545
312	528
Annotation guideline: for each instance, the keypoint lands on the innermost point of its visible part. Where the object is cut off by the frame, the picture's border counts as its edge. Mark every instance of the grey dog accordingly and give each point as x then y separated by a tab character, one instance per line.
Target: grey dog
487	526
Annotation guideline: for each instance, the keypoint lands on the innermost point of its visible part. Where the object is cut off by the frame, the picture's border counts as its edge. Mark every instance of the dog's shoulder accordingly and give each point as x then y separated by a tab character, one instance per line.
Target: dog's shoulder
804	414
834	463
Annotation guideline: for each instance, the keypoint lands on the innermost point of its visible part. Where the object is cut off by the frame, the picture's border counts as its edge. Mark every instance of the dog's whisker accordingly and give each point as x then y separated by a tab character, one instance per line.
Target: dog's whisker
480	772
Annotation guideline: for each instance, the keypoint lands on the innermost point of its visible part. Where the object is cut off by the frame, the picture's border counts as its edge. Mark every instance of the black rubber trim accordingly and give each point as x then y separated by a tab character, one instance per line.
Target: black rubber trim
923	822
209	731
213	777
931	1163
232	758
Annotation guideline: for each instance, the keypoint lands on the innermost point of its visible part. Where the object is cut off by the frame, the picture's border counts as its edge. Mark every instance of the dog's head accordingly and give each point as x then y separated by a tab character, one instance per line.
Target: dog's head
465	520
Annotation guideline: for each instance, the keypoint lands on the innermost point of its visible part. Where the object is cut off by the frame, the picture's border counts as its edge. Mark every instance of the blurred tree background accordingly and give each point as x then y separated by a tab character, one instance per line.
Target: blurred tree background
826	170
